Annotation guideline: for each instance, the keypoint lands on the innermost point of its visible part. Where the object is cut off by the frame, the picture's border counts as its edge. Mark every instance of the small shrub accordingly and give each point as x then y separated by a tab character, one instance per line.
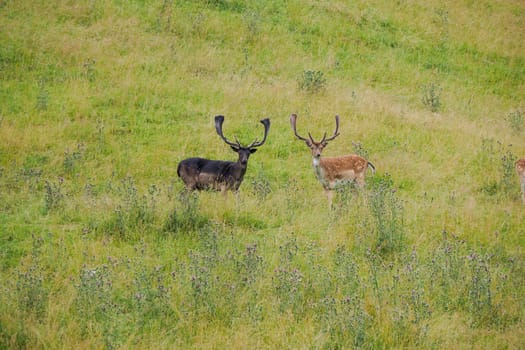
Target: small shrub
491	154
249	266
97	308
151	294
479	296
203	282
446	271
432	97
416	296
261	186
71	158
42	99
344	193
31	292
312	81
288	250
134	210
508	174
516	120
53	196
288	283
387	212
89	69
94	292
346	271
345	321
187	217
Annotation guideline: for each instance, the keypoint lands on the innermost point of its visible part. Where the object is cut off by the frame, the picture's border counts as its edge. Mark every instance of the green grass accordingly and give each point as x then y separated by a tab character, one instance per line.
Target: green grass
100	100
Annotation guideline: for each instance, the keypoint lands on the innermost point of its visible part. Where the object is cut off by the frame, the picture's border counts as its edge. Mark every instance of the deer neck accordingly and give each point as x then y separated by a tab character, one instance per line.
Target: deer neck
239	169
319	171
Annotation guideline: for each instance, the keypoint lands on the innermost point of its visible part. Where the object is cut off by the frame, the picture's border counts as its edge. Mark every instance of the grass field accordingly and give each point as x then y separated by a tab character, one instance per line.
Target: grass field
100	247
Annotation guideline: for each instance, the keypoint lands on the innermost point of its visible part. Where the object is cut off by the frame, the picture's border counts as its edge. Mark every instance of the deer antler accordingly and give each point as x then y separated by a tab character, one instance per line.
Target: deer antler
335	132
293	119
218	126
266	123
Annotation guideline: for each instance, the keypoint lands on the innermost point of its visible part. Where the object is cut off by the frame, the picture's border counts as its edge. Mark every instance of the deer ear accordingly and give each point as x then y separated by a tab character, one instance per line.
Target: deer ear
235	149
253	150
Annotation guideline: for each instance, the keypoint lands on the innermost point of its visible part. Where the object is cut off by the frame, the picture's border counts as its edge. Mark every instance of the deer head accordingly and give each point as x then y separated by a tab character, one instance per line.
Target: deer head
243	151
316	147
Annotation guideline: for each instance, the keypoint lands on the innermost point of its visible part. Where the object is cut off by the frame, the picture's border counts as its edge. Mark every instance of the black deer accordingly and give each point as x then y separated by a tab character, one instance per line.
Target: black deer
219	175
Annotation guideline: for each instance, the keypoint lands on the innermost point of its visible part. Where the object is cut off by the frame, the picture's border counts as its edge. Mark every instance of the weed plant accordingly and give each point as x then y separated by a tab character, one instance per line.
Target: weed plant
312	81
42	99
387	211
431	97
31	290
186	218
516	120
54	195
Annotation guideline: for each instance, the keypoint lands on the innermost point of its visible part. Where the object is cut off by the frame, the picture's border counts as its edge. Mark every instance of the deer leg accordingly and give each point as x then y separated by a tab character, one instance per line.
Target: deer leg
523	189
224	190
360	180
329	195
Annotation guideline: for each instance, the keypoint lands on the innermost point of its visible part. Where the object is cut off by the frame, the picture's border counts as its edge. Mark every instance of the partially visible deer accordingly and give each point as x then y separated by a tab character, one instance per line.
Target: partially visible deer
520	169
332	170
219	175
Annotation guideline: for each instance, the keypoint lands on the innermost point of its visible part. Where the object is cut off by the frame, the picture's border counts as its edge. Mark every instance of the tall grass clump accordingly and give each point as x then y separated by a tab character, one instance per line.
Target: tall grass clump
386	210
102	307
133	209
42	99
446	272
186	216
288	279
71	159
431	97
507	183
341	313
261	186
479	298
516	120
312	81
151	295
54	195
503	182
31	290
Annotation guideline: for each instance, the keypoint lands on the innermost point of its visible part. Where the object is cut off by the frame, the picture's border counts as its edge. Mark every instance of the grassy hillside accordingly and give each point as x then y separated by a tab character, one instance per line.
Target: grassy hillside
100	248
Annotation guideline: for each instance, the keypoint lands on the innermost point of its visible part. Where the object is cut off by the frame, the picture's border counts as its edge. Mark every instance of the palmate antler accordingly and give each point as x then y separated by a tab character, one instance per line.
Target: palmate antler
218	126
336	133
293	120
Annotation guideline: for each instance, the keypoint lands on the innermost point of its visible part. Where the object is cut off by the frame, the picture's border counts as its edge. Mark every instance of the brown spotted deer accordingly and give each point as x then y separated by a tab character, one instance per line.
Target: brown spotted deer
219	175
332	170
520	169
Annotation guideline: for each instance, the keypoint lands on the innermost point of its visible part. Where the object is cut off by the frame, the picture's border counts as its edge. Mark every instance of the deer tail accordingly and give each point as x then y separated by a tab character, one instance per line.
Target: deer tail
372	167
